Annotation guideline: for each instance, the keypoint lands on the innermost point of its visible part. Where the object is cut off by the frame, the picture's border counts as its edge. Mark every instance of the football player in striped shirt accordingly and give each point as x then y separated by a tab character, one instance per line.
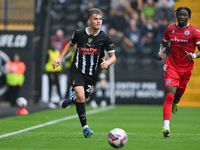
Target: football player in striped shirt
87	62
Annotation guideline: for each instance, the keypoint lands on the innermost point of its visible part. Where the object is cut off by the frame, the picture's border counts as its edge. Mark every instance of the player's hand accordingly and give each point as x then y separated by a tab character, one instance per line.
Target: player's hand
104	64
56	63
190	56
160	56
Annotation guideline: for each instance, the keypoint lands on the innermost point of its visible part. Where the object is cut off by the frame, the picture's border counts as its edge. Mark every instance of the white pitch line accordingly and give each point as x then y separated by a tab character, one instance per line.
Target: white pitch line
56	121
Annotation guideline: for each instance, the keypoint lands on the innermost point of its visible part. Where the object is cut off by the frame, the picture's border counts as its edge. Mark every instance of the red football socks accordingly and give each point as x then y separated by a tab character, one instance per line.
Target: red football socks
167	106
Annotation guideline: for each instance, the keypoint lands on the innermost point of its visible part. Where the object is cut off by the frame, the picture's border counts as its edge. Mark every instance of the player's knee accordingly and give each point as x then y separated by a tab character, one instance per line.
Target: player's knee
80	99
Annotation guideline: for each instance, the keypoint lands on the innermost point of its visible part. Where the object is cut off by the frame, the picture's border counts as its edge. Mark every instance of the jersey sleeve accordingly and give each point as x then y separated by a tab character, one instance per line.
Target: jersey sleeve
166	36
74	38
109	45
197	36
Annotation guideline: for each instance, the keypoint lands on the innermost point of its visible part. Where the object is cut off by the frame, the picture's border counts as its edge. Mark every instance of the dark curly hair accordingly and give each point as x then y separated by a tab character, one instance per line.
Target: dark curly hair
184	8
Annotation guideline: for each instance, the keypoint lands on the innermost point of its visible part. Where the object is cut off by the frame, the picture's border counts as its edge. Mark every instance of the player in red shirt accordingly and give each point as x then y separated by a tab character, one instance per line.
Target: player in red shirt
183	38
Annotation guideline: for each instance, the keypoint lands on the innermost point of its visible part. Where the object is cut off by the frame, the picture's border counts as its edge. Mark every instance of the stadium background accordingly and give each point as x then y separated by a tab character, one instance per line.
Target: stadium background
26	26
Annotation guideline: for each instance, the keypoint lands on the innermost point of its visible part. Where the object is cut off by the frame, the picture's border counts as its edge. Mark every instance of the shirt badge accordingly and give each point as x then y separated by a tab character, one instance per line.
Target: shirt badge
89	41
187	32
168	81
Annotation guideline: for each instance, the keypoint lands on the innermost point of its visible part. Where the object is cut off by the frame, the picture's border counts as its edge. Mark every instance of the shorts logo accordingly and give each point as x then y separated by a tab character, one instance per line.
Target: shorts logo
168	81
73	82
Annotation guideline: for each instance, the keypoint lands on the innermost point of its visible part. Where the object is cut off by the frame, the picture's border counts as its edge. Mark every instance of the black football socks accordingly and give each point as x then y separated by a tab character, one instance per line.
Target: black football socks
80	108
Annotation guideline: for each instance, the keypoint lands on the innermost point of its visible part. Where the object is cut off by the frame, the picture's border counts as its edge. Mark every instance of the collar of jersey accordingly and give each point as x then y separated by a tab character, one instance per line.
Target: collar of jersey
182	27
86	30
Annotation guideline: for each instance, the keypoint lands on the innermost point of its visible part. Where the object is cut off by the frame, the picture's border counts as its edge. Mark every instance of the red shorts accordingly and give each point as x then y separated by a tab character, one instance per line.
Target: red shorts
174	78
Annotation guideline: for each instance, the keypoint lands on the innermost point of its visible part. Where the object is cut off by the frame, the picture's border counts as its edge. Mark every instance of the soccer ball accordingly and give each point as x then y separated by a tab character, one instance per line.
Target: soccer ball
21	102
117	138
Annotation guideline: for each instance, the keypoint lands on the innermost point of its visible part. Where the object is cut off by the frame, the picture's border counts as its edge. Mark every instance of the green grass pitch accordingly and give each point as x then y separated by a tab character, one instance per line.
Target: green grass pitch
48	130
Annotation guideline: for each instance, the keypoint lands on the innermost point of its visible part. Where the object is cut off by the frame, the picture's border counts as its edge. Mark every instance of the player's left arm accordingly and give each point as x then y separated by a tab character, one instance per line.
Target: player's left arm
110	61
191	56
109	47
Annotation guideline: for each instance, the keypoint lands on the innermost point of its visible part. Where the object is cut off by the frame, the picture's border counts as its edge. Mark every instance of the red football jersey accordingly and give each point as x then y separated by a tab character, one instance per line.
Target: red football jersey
181	40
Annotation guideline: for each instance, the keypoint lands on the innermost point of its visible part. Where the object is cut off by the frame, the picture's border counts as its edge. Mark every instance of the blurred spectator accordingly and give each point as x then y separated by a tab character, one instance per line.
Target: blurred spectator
165	12
59	1
134	38
117	24
85	3
15	78
60	40
150	25
164	16
53	74
151	32
103	82
159	36
170	3
161	29
114	4
84	7
136	17
148	11
135	6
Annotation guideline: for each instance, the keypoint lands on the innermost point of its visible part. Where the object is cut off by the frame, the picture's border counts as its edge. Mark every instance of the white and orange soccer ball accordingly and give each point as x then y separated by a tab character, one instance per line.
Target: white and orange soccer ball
117	138
21	102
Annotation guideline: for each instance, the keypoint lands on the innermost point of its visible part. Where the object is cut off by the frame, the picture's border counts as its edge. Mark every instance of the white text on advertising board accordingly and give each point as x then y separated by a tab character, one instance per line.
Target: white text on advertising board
13	41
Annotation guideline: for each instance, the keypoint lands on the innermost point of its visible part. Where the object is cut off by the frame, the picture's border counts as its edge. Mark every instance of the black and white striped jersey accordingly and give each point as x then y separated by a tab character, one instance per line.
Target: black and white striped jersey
90	50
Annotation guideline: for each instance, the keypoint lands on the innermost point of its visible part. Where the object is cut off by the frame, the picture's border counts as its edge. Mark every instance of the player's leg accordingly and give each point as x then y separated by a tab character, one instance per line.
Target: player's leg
80	108
167	109
172	80
167	106
66	102
76	79
178	95
185	77
177	98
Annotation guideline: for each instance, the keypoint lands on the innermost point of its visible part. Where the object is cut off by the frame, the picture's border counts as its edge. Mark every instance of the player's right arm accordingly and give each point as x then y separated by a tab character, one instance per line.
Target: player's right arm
66	50
162	49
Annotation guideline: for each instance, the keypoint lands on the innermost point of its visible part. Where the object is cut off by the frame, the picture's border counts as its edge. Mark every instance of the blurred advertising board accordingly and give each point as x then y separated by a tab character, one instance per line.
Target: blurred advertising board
17	42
